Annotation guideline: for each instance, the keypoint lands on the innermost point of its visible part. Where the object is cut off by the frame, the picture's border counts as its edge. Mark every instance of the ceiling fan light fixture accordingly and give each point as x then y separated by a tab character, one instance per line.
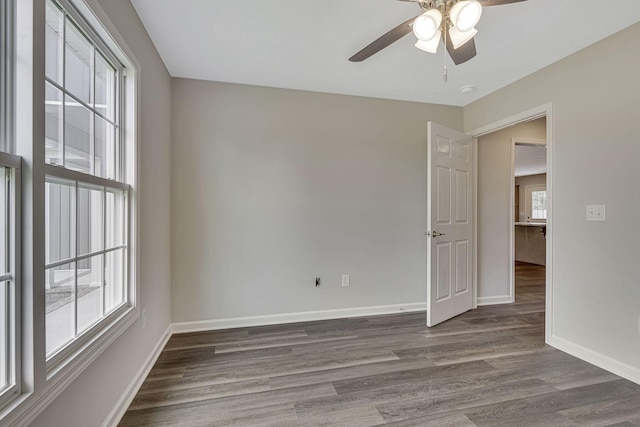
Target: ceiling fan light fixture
465	14
459	38
427	26
430	46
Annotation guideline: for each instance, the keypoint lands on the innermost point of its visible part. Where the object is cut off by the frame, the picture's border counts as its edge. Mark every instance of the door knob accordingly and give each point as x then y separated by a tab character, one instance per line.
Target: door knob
436	234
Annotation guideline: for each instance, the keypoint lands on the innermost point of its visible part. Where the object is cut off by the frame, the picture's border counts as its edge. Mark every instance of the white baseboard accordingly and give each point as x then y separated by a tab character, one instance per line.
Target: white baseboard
600	360
275	319
505	299
125	400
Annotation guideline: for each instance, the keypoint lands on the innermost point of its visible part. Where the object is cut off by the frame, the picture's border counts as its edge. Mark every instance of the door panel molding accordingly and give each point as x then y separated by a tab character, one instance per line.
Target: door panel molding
450	221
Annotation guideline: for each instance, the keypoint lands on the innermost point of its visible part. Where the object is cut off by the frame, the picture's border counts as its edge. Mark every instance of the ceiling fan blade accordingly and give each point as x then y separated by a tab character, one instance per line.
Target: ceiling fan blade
383	41
498	2
463	53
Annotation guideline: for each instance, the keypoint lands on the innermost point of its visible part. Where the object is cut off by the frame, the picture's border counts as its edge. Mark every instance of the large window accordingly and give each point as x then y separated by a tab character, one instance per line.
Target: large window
86	191
9	221
79	274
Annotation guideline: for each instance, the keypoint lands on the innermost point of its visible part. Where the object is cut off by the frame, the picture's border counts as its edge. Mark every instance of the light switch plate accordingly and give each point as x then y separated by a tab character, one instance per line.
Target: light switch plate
596	213
346	280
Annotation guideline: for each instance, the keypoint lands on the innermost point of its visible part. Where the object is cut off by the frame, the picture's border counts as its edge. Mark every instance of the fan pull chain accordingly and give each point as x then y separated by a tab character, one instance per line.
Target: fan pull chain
445	76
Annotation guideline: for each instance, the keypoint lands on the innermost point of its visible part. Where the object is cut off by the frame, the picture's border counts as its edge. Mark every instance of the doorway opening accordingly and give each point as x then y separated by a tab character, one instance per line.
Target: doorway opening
514	214
529	231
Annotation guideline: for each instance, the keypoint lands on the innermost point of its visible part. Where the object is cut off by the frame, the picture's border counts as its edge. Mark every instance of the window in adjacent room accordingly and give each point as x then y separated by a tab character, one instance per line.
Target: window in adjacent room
536	203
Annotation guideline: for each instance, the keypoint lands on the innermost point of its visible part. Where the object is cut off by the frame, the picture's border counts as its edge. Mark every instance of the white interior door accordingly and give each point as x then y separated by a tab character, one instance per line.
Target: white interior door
450	222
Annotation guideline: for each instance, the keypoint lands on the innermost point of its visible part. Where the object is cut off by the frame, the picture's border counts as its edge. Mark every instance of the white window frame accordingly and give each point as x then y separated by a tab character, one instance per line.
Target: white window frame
43	381
6	86
63	355
529	190
14	292
13	214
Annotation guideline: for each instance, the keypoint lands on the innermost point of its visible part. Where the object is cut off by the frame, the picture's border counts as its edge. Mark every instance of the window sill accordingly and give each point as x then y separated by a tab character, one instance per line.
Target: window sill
26	408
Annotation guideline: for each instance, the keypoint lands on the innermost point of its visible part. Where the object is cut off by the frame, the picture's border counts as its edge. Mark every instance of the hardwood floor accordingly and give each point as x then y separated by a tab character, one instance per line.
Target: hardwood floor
487	367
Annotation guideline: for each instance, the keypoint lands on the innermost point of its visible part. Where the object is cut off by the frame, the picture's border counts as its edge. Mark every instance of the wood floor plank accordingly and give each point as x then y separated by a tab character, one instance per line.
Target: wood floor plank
354	416
173	395
418	391
225	407
511	412
386	365
486	367
469	398
275	367
449	419
242	339
409	375
204	355
604	413
275	415
284	342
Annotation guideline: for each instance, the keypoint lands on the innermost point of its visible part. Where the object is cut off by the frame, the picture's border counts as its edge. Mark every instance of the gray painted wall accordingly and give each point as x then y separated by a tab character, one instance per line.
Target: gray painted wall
90	398
596	149
494	208
272	188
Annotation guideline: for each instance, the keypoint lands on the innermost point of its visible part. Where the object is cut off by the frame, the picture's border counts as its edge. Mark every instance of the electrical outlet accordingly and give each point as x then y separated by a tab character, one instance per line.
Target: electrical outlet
596	213
345	280
143	318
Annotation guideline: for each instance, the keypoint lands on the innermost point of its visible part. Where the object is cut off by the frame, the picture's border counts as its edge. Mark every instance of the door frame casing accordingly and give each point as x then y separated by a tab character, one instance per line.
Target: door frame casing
545	110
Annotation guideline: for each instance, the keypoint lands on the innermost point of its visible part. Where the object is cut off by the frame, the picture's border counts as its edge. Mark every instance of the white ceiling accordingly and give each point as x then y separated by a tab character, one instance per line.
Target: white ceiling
530	160
304	44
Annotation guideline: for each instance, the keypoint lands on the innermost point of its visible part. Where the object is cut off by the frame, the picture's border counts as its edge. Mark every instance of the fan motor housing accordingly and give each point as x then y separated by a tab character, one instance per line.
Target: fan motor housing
441	5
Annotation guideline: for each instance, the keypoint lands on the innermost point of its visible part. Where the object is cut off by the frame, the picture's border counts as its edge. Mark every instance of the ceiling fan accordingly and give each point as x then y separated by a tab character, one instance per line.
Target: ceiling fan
453	21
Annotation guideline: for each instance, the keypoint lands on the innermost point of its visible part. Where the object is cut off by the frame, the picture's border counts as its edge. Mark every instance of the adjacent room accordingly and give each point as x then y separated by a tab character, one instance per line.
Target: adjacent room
292	213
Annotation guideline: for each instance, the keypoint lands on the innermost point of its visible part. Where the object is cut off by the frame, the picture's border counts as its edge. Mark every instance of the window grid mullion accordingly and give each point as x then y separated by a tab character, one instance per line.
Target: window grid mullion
64	95
8	214
75	286
92	98
83	257
80	101
7	228
125	236
7	368
104	247
6	285
8	350
118	93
